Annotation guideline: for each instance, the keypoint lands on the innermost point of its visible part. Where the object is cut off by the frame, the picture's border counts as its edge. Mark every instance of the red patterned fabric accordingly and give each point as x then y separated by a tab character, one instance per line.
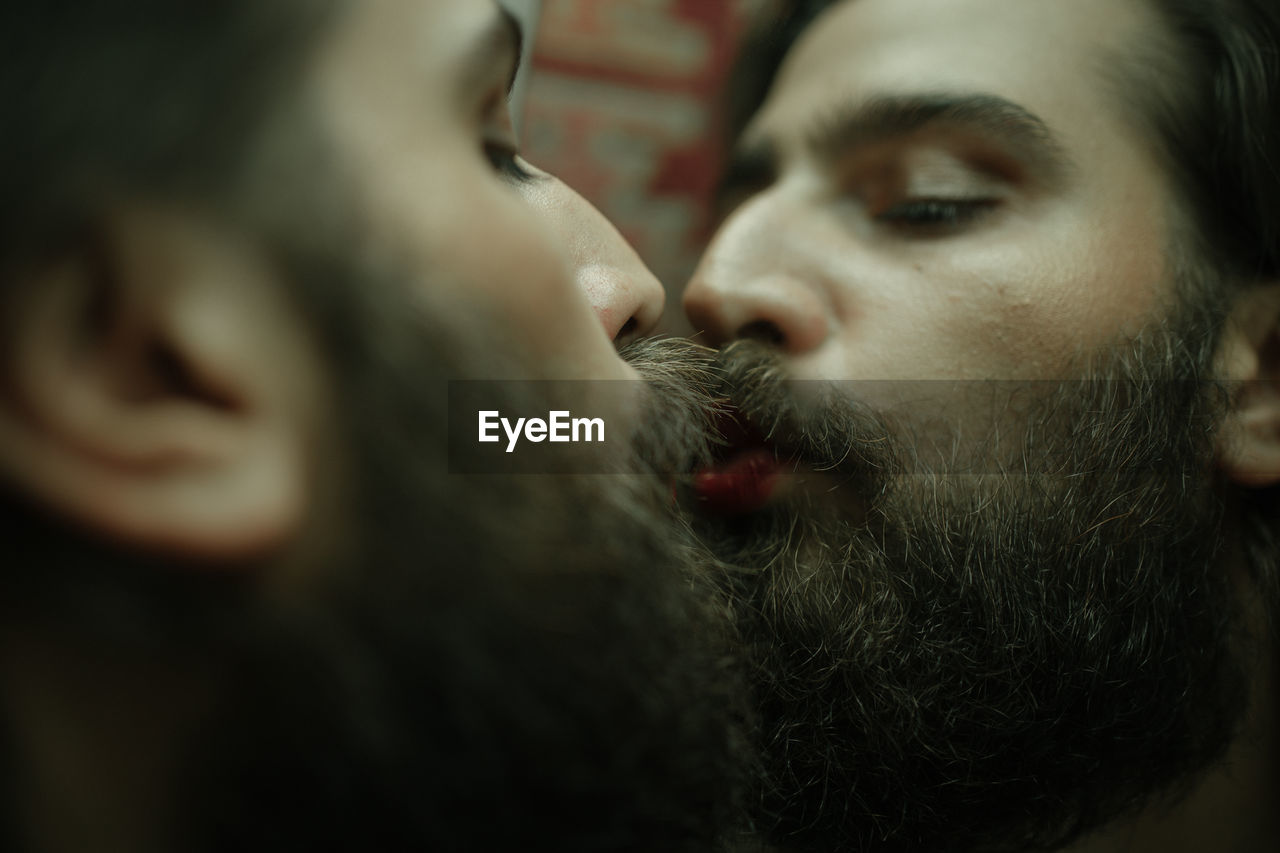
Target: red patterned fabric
623	106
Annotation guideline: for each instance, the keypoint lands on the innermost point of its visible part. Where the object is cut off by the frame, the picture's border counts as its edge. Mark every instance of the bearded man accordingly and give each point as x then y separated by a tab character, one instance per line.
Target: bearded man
247	604
999	288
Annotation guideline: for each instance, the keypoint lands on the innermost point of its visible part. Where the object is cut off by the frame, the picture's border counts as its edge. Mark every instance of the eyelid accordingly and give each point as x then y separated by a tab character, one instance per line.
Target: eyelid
496	111
506	161
934	152
935	217
922	185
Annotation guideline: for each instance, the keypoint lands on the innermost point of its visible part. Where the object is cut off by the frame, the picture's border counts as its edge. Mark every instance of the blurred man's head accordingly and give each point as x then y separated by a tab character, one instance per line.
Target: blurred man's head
243	248
1009	565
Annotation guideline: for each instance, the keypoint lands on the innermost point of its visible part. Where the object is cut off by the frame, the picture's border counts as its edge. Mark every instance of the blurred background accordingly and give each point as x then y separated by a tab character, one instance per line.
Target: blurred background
623	105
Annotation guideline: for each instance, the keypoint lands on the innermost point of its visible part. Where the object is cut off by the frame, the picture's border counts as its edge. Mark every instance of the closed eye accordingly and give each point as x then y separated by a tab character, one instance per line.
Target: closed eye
935	216
505	160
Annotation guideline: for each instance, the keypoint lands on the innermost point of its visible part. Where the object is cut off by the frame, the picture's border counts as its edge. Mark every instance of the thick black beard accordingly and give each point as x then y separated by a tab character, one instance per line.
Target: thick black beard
995	660
494	663
524	662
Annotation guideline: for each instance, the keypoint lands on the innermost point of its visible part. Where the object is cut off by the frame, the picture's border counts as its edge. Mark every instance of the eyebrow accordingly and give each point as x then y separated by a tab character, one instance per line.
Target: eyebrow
501	37
755	162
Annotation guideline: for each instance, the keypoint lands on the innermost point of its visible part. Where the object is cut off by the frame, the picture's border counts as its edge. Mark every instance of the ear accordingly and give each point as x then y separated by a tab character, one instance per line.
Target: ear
1249	358
157	388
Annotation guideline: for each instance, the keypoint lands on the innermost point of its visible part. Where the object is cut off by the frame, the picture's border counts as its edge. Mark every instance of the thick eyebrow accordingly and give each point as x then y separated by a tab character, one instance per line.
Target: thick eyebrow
502	38
879	119
754	162
752	166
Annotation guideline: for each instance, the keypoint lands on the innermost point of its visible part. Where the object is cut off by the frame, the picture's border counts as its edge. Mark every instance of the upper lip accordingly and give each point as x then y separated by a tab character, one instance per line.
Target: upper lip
738	434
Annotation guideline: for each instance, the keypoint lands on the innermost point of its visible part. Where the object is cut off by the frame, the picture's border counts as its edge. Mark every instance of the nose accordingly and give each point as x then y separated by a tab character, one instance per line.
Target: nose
750	283
626	297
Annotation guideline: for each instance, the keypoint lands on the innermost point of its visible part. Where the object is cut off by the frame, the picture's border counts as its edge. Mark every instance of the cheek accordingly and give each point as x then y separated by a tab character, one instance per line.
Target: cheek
513	259
503	261
478	251
1036	308
433	206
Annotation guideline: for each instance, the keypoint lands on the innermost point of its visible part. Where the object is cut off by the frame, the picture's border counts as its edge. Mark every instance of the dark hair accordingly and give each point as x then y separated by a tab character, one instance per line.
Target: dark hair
1221	132
764	48
1215	116
108	97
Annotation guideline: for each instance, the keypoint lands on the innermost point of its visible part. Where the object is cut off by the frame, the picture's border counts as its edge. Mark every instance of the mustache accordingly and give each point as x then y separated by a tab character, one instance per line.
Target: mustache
806	423
676	432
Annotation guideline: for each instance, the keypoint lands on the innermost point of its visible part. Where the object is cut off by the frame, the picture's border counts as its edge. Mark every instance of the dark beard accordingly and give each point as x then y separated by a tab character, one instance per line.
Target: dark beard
998	659
492	663
523	662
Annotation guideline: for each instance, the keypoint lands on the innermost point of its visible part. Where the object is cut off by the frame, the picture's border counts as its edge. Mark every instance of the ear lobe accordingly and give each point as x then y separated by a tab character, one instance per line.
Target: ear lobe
158	390
1249	448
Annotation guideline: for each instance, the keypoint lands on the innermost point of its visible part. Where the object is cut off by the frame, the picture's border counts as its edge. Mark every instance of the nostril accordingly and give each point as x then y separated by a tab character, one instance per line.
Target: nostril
628	329
764	331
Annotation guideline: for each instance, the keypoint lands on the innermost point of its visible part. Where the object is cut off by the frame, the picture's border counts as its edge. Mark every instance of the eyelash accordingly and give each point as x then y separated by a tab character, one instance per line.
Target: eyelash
503	160
935	213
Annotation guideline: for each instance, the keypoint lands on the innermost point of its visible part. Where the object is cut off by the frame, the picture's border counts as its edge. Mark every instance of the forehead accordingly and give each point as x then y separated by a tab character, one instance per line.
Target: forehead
1049	56
417	46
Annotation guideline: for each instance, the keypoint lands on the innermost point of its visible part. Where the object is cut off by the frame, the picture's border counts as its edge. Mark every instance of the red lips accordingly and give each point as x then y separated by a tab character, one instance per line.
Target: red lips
741	484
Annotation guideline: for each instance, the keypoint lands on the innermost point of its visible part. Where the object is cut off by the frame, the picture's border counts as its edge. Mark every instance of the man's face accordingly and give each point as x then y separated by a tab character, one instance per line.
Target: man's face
506	643
940	190
414	96
983	614
464	657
